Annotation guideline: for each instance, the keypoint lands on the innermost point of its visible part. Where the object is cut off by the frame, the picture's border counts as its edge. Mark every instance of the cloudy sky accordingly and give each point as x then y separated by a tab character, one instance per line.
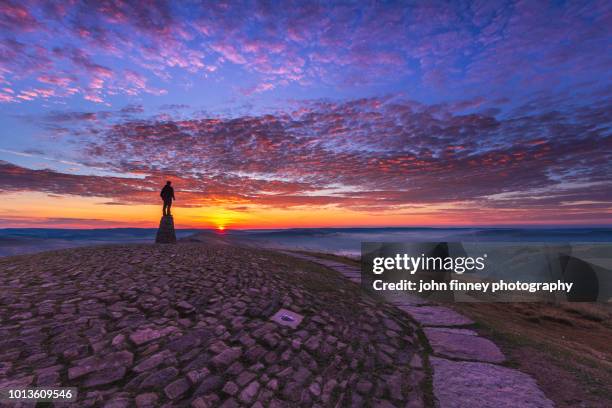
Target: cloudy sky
282	114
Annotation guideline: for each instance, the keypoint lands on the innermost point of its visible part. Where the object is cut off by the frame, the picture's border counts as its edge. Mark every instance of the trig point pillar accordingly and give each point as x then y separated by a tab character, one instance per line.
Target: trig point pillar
165	233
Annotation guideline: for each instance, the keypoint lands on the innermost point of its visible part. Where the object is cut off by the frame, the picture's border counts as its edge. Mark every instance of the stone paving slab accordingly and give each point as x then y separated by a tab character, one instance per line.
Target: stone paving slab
405	299
463	344
483	385
437	316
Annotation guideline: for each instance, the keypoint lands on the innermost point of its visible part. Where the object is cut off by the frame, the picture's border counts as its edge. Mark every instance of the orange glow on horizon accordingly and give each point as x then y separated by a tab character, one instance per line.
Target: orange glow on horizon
39	210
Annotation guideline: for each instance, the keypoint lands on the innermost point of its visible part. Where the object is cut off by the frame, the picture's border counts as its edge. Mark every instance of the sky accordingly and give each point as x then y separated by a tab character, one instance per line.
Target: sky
305	114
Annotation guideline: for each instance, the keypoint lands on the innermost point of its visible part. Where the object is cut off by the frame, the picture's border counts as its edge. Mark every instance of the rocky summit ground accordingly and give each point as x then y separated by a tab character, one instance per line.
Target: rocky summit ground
189	325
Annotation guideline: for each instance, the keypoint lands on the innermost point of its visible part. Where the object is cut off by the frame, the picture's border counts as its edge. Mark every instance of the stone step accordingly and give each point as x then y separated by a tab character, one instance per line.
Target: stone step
436	316
462	344
459	384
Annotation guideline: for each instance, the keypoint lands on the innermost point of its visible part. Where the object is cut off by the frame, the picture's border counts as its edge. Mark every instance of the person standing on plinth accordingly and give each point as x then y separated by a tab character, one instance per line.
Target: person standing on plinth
167	194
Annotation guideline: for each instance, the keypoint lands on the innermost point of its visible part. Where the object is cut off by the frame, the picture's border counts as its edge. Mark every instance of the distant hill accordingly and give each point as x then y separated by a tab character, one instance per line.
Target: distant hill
344	241
15	241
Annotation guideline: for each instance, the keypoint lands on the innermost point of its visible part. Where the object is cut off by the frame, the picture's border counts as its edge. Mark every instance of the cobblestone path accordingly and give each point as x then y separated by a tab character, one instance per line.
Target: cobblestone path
189	325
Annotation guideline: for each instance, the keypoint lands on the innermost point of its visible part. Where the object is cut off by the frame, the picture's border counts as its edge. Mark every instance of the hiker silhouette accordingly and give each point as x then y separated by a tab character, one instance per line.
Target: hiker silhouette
167	194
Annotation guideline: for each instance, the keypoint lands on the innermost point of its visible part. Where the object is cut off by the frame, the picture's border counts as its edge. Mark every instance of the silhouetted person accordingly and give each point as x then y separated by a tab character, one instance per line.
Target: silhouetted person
167	194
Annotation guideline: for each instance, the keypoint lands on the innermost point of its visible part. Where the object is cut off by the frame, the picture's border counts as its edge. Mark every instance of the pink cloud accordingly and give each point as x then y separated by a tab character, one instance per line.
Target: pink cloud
447	47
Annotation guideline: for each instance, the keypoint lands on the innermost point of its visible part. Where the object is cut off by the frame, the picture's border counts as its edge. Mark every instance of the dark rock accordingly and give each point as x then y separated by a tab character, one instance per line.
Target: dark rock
93	364
255	353
185	308
380	403
160	378
328	390
195	376
165	233
271	339
391	325
151	362
235	368
230	388
250	392
292	391
184	343
271	306
229	403
226	357
416	362
301	375
145	335
134	383
176	388
148	400
364	387
48	379
312	344
107	376
356	401
245	377
394	384
208	385
199	362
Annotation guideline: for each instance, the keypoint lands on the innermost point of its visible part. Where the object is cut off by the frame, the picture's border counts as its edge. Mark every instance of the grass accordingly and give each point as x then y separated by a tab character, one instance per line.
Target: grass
338	258
565	347
427	383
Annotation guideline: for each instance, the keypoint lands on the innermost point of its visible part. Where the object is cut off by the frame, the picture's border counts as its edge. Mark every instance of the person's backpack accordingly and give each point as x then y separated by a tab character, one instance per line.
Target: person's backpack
166	193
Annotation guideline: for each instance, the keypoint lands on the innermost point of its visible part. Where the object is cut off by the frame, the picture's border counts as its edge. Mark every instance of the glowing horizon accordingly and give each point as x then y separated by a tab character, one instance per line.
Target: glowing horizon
55	213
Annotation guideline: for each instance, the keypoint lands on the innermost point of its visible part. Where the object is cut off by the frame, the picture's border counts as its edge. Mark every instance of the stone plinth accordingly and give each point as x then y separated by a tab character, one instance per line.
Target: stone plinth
165	233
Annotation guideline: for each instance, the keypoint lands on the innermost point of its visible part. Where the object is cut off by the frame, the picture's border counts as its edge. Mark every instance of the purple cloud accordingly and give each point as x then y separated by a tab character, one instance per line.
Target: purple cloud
439	46
362	154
